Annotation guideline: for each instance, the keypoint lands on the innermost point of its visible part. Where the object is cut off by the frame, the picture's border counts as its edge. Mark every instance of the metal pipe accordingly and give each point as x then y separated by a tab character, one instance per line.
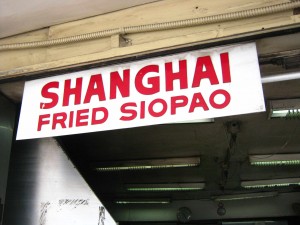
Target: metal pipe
249	13
279	78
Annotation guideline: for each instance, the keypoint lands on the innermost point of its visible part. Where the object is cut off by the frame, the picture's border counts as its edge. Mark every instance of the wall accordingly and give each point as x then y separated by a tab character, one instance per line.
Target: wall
7	118
44	188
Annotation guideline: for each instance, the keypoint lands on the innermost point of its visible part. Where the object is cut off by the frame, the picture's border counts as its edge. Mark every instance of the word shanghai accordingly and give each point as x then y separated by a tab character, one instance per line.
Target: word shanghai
151	91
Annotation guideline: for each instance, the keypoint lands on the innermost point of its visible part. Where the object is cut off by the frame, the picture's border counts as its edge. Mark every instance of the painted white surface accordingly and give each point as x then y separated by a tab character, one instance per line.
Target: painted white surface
245	90
22	16
64	196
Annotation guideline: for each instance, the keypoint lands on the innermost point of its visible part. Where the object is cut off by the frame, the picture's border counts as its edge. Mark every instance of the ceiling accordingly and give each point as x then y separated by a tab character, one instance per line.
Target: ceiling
223	166
17	17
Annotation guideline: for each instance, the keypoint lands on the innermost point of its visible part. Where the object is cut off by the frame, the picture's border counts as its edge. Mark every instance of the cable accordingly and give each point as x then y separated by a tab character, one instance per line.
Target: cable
6	128
157	26
281	148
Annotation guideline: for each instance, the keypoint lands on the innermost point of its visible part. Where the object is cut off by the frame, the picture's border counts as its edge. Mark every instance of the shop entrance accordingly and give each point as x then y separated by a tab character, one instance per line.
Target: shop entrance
240	167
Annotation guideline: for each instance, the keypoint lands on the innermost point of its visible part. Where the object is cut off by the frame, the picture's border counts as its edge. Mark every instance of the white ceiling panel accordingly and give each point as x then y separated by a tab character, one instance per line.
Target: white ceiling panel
18	16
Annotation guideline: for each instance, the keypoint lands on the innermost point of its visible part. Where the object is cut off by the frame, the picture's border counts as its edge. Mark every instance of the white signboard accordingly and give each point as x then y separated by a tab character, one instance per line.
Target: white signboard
193	85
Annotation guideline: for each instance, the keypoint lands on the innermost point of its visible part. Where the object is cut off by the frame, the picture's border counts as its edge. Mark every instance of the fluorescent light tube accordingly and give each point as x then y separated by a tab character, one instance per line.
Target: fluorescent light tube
274	160
244	196
147	164
166	187
142	201
270	183
197	121
285	108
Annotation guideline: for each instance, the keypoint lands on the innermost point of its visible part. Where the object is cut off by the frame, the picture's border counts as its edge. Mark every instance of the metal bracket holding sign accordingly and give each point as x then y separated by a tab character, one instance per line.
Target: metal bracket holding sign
193	85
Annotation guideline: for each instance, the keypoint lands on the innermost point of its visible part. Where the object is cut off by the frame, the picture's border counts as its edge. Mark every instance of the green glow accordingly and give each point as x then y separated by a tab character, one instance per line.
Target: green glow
144	167
245	196
164	189
276	163
279	113
271	185
288	113
142	202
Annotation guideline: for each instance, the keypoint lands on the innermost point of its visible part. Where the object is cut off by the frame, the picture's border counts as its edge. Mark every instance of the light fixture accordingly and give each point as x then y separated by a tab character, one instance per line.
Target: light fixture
166	187
211	120
244	196
142	201
221	211
274	160
147	164
184	215
270	183
285	108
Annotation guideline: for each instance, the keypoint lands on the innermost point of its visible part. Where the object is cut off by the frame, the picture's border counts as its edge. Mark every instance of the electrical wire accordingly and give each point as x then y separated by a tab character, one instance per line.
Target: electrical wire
157	26
289	137
6	128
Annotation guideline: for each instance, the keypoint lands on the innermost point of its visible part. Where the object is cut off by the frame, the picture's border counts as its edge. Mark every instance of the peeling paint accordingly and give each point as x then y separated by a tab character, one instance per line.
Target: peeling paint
44	210
73	202
101	215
